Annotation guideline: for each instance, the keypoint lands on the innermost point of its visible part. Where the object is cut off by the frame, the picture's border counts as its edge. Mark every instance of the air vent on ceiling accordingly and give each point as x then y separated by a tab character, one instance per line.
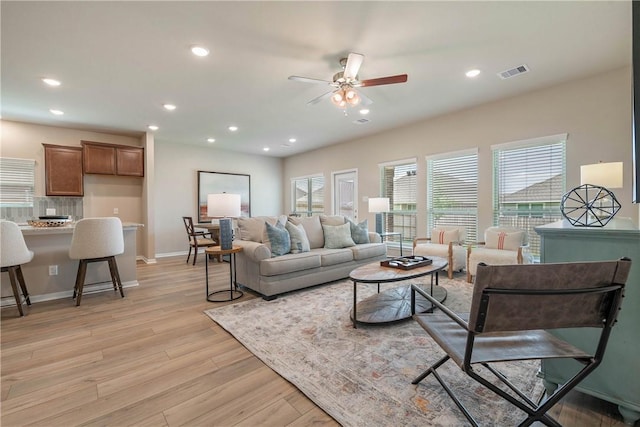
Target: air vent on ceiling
514	72
362	121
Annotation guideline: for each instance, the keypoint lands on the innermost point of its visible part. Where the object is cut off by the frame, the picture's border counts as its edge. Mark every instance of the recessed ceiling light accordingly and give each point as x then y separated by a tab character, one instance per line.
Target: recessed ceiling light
292	140
169	107
364	111
233	128
56	112
472	73
265	149
211	140
153	127
51	82
199	51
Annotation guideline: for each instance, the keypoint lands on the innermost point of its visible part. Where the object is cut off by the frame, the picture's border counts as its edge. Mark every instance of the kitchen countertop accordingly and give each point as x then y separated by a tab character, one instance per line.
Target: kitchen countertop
28	230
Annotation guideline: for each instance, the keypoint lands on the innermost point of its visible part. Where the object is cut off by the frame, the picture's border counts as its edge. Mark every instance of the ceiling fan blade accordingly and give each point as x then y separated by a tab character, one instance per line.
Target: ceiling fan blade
309	80
389	80
354	61
319	98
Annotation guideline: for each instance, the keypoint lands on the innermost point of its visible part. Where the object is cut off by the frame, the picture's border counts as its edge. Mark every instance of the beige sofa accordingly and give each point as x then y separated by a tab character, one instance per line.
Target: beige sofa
258	269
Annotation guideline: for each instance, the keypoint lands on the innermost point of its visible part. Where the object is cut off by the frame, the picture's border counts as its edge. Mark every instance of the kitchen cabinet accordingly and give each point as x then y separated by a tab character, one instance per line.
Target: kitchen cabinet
617	379
63	170
112	159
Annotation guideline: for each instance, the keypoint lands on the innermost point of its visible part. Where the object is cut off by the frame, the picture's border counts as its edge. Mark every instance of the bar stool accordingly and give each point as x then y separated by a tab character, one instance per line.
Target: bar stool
14	253
95	240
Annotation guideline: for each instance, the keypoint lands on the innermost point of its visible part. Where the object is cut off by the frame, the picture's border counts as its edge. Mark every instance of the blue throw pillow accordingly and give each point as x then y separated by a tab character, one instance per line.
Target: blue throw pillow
359	232
279	239
299	240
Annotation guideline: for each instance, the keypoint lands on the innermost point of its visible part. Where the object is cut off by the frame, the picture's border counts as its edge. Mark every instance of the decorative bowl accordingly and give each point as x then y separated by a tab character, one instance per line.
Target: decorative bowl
48	223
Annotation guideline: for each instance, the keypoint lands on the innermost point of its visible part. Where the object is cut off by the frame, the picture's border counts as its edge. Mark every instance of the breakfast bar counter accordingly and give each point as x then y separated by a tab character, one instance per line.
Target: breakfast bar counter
52	274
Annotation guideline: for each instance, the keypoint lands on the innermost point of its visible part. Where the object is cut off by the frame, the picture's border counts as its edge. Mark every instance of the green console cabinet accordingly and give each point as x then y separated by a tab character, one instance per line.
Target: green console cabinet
617	379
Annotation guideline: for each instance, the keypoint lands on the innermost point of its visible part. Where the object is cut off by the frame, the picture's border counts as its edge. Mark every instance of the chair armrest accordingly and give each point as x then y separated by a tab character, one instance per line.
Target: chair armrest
452	315
255	251
420	239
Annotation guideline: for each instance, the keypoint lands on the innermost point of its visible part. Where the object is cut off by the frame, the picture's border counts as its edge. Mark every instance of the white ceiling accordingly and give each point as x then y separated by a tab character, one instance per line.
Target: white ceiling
119	62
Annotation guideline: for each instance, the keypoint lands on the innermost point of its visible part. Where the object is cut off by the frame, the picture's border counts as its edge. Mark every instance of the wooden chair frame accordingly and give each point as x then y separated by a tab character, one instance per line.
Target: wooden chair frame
193	236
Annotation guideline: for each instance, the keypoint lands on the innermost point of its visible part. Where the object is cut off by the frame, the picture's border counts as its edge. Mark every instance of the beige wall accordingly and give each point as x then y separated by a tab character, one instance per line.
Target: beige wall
176	187
595	112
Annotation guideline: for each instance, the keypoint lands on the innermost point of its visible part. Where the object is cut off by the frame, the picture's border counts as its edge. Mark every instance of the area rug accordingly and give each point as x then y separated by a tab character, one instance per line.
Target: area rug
362	377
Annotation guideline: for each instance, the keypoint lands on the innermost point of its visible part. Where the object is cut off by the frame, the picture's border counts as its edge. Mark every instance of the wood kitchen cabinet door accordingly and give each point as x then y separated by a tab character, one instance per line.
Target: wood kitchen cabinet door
99	158
63	170
130	161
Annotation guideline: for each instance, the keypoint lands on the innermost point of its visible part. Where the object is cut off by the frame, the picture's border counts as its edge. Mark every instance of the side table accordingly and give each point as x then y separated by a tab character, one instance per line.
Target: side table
233	292
392	233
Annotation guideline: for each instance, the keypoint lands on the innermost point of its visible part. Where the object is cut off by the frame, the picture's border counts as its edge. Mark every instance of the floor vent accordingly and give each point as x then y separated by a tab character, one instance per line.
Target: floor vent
514	72
361	121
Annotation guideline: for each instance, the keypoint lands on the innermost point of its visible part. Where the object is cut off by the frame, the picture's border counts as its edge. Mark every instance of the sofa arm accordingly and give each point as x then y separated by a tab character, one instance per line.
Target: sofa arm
374	237
255	251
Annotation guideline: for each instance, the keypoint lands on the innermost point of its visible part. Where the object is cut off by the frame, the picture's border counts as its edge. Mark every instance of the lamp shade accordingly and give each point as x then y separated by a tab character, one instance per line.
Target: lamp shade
607	175
378	204
223	205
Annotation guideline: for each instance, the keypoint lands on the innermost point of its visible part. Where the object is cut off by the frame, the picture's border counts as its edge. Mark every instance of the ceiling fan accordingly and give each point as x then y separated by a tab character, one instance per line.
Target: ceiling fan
346	81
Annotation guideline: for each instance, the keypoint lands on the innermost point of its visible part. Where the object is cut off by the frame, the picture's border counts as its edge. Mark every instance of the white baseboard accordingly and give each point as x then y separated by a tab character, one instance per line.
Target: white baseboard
88	289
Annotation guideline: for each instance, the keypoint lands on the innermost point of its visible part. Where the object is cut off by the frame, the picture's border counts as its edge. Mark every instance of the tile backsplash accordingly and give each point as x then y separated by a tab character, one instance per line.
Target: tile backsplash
62	205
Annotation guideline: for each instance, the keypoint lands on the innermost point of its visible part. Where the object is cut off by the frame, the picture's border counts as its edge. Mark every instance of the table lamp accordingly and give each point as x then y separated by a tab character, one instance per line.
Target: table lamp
224	207
592	204
378	205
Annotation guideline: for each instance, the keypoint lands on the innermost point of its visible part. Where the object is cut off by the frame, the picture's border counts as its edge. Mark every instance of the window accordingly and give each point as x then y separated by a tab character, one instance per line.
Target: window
528	184
308	195
398	181
17	182
452	191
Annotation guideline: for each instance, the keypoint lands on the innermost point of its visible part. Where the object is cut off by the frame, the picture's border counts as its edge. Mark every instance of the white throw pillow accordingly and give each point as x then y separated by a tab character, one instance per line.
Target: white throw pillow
444	237
313	228
299	240
502	240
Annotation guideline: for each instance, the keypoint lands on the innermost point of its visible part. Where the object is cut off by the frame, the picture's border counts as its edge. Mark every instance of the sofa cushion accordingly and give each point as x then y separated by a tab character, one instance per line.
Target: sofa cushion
368	250
335	256
253	228
337	236
299	240
332	220
313	228
289	263
359	232
277	239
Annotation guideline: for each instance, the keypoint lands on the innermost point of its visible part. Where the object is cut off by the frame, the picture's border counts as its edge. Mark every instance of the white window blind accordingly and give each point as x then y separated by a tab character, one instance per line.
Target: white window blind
529	182
398	182
452	192
17	182
308	195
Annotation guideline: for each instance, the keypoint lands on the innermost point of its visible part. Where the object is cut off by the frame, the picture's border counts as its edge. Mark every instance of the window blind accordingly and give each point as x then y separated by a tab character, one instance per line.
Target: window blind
528	185
452	192
17	182
398	183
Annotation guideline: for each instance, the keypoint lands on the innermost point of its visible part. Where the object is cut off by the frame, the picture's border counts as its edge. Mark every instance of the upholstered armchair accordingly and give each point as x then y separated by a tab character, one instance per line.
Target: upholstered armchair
501	246
445	242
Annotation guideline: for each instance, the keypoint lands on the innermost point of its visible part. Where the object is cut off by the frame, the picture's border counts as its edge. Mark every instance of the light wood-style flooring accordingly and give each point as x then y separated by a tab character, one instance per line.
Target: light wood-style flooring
154	359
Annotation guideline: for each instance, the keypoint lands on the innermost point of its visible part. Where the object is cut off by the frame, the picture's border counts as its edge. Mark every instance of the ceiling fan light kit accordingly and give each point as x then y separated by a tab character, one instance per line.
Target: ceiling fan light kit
345	95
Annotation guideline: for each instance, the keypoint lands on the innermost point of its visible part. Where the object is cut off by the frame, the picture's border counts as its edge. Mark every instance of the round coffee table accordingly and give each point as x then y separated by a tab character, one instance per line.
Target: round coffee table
394	304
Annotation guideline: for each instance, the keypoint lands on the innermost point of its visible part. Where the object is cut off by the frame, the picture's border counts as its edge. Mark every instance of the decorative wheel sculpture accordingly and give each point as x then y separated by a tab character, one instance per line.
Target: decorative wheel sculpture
589	206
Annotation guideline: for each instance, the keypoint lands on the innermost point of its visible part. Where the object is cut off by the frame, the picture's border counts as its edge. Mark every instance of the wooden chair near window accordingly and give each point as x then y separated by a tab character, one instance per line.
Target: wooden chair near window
197	239
513	313
445	242
501	246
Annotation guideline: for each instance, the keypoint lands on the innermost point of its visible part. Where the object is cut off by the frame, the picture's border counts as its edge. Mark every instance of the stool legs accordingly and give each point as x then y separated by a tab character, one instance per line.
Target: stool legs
82	271
17	279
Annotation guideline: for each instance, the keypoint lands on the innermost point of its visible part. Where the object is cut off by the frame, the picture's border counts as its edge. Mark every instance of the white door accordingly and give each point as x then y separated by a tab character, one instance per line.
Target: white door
345	193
